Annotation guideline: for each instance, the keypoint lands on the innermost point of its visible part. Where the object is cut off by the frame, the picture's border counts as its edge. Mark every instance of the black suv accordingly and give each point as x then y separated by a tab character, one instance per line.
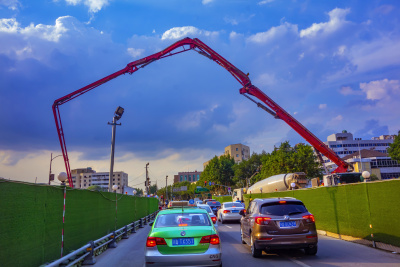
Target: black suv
215	206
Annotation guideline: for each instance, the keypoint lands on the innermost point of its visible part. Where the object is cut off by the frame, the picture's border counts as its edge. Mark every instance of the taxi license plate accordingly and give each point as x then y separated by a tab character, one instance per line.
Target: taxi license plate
235	211
182	241
289	224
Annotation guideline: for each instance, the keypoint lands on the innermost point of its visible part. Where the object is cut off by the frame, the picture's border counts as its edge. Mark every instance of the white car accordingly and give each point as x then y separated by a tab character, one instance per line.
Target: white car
210	212
198	202
229	211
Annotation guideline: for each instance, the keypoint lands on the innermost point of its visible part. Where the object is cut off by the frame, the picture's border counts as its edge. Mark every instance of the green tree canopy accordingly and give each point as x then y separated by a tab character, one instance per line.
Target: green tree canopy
394	149
287	159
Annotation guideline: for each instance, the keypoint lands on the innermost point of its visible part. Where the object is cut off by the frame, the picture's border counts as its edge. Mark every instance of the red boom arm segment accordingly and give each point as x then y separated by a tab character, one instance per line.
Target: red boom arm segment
198	46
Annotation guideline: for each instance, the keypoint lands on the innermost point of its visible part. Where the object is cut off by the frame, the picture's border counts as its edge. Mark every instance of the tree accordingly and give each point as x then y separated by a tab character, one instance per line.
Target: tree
287	159
153	189
394	149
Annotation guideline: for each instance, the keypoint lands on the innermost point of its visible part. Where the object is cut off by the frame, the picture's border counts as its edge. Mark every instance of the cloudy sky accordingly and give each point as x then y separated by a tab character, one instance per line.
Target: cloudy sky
333	65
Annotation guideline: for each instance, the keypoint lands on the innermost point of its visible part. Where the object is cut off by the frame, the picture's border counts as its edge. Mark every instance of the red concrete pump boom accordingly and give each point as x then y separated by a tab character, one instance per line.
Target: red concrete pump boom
247	89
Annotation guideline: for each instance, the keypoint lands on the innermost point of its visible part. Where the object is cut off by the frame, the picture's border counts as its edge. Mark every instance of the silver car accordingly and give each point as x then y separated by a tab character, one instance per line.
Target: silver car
210	212
230	212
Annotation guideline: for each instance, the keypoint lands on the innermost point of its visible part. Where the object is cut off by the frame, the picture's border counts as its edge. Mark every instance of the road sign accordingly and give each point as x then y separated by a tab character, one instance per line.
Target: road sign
184	188
191	201
176	189
210	183
229	189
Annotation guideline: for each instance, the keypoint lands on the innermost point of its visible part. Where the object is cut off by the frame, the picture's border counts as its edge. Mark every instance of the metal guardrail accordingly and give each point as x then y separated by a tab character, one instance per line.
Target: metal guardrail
90	248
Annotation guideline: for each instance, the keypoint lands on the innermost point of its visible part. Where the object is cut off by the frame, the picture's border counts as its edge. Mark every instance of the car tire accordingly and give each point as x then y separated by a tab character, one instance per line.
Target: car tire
311	251
241	236
256	253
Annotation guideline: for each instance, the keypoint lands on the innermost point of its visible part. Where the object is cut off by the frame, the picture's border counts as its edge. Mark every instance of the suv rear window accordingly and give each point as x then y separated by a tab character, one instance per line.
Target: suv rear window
280	209
213	203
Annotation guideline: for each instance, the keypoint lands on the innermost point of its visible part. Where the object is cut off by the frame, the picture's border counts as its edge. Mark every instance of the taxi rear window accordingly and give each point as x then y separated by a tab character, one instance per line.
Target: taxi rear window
280	209
182	219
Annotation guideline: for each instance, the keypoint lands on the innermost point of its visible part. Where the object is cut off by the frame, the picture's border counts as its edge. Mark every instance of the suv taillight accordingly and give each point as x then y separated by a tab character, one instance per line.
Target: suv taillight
212	239
153	241
214	219
262	220
309	218
226	211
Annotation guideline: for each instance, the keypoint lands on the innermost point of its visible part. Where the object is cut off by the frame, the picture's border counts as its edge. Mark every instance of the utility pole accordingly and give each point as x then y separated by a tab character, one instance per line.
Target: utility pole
166	188
147	184
117	115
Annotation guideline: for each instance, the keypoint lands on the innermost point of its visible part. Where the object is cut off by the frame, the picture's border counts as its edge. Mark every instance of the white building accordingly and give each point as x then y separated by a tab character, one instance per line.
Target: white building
374	162
344	144
83	178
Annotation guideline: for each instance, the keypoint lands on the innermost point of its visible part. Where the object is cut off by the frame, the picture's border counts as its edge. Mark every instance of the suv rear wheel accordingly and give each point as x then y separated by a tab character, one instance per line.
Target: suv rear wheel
311	251
256	253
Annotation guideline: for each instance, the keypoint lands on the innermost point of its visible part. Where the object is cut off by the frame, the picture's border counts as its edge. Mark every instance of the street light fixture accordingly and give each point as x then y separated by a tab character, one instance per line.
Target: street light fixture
51	177
117	115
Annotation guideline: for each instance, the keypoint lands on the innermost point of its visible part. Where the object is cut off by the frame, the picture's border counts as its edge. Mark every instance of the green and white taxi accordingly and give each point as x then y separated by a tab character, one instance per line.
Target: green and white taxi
183	237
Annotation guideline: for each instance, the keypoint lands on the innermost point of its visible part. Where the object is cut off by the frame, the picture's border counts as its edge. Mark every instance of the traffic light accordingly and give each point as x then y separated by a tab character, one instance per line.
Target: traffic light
205	183
149	182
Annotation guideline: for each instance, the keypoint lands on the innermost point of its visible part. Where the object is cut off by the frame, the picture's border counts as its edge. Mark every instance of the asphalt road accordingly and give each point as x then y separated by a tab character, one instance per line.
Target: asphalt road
331	252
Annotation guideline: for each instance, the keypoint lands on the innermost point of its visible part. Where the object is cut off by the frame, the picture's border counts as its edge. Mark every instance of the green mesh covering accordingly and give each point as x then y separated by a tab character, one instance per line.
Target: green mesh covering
351	209
31	220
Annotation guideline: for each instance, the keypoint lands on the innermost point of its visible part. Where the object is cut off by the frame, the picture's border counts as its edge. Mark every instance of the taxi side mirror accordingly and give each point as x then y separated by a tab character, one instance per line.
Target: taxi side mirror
151	224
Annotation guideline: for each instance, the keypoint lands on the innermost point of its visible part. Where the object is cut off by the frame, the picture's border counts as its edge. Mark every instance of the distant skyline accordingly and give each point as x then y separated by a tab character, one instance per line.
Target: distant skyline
333	65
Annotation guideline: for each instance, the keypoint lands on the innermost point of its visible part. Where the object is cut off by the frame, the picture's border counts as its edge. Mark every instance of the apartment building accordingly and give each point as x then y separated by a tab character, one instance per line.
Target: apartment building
238	152
83	178
187	176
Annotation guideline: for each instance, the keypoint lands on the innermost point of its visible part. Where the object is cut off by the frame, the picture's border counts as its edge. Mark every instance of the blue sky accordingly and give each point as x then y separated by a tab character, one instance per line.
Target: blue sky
333	65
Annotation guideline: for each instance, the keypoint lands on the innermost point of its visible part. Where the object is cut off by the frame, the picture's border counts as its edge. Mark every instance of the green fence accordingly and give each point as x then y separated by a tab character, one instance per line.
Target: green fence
357	210
31	220
224	199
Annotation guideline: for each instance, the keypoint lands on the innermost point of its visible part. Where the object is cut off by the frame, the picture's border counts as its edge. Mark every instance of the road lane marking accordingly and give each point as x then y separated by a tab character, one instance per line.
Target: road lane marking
298	262
228	226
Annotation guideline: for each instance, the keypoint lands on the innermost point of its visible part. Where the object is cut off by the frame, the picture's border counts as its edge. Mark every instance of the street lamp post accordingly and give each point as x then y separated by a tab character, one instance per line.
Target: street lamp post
117	115
51	178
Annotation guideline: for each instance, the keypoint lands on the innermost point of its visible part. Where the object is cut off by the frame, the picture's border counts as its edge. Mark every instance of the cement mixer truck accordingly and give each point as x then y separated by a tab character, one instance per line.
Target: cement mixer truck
280	182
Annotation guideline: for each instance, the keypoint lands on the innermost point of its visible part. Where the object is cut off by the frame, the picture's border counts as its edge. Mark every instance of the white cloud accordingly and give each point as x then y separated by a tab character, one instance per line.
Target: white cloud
9	25
234	35
265	79
337	18
205	2
322	106
347	90
273	33
376	90
135	52
341	50
11	4
336	119
47	32
94	5
186	31
265	2
380	53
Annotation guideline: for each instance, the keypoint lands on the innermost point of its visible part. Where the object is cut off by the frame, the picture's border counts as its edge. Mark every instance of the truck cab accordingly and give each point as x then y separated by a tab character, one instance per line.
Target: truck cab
238	193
